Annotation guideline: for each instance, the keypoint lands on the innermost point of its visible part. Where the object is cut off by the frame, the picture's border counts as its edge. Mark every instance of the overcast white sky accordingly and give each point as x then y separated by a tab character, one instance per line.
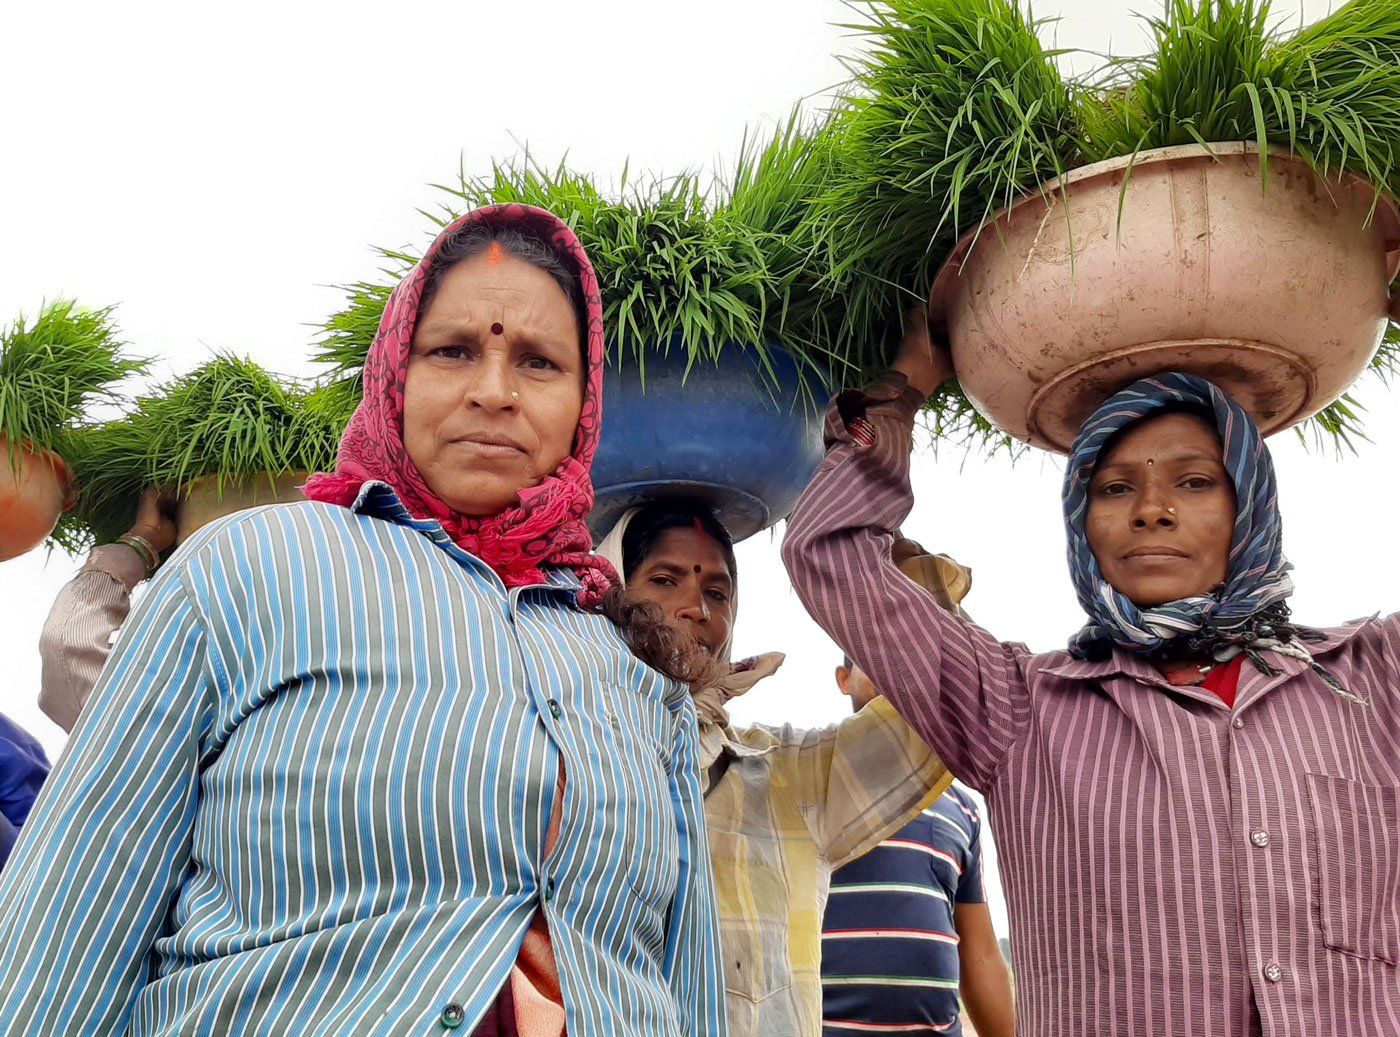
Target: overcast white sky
208	167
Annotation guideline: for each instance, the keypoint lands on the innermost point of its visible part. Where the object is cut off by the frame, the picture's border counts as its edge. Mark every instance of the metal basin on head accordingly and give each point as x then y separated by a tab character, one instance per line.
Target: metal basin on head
36	487
1264	278
208	498
728	433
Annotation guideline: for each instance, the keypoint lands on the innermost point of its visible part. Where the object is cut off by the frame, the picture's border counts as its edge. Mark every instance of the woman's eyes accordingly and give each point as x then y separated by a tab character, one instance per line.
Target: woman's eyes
533	362
1191	482
449	352
713	593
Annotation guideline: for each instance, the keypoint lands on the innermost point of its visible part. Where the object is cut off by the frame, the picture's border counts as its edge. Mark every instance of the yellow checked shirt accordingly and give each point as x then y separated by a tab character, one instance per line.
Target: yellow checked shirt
785	807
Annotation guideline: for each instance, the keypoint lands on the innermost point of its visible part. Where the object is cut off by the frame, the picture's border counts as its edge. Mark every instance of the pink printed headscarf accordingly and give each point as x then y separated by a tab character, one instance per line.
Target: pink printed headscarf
546	527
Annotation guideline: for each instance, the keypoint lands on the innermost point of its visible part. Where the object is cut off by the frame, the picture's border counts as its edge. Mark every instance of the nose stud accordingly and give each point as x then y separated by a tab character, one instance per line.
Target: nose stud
515	396
1171	511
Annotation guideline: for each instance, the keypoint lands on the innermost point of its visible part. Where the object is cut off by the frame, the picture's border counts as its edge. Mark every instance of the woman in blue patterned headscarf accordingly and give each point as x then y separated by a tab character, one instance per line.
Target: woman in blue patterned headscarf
1199	830
1213	621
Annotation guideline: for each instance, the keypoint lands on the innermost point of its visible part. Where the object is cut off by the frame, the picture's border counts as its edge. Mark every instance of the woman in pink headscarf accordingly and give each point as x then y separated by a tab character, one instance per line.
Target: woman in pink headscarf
388	761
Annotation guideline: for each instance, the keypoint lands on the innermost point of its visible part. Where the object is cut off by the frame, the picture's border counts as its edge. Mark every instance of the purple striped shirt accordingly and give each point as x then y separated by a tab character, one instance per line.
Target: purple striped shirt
1172	866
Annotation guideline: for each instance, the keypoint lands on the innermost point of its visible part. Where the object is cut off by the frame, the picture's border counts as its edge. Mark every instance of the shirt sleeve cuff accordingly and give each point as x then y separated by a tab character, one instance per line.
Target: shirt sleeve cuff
848	419
118	561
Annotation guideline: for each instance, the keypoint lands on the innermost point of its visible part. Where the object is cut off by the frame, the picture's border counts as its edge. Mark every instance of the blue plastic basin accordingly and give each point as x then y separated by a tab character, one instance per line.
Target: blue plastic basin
729	433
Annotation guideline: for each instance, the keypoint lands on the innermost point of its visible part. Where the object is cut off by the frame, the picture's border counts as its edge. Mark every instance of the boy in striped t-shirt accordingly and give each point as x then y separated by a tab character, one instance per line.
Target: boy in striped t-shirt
907	927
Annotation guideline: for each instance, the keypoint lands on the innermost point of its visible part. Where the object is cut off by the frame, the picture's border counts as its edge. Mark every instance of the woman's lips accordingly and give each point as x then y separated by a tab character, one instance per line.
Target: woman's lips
489	445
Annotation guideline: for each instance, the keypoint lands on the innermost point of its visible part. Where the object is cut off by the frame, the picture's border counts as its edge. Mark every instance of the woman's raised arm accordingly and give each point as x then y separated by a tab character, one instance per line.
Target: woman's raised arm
960	688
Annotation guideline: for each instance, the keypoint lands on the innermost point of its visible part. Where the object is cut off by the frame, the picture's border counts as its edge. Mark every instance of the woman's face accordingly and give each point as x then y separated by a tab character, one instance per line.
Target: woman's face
1162	511
495	383
687	575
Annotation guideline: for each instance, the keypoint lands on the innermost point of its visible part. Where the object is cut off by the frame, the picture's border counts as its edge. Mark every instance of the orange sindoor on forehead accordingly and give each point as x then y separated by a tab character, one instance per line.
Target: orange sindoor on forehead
703	534
495	254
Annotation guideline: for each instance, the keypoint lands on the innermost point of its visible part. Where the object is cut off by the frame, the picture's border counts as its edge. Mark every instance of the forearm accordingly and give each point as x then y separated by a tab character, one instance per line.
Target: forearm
960	689
985	982
76	639
986	994
837	546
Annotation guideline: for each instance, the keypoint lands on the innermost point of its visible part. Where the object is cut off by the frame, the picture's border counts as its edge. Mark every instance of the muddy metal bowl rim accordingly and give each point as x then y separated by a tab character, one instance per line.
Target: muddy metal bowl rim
1347	193
948	273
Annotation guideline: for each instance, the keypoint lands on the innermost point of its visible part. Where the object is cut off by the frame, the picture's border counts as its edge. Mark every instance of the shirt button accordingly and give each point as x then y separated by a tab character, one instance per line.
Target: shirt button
453	1016
1237	723
549	889
1260	838
555	710
1272	972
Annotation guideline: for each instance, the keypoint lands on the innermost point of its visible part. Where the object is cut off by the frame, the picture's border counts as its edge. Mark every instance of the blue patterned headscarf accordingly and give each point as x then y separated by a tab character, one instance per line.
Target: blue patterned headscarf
1258	574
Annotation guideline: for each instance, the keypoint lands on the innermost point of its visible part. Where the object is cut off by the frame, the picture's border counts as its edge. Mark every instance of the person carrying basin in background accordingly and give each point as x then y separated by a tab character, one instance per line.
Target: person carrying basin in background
90	608
783	806
1197	805
384	762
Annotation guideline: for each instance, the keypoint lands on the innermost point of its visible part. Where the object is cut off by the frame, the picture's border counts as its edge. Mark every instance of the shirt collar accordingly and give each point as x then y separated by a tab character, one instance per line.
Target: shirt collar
1335	637
1120	661
1131	664
379	500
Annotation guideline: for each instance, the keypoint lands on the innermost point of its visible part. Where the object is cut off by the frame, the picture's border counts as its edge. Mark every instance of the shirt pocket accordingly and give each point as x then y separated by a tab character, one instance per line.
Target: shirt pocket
749	887
643	828
1357	848
650	845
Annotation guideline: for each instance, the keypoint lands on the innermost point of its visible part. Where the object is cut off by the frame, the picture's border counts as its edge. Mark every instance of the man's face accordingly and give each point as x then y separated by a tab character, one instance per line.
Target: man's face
854	683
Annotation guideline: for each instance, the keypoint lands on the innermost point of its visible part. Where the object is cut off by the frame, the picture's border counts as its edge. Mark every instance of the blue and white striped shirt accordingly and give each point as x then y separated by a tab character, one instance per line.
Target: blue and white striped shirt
311	791
890	940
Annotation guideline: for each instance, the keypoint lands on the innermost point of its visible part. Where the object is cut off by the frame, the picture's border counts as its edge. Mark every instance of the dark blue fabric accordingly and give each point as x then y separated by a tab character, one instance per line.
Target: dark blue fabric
23	768
9	834
1258	575
936	862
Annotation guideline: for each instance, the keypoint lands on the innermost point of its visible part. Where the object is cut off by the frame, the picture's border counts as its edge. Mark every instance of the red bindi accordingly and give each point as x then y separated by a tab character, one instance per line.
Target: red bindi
498	329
